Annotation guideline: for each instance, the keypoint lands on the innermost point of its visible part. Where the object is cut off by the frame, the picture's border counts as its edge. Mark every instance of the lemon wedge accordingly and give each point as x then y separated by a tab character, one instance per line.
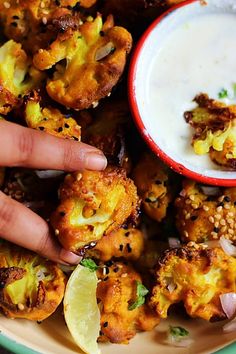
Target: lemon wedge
81	312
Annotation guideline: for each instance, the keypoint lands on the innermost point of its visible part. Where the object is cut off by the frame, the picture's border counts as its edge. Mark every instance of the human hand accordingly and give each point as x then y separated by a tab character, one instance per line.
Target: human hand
26	147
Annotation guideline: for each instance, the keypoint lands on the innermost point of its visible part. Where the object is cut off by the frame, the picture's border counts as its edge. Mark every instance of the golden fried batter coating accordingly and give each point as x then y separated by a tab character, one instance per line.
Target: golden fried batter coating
115	293
152	180
93	204
125	243
31	22
94	56
200	218
31	287
196	275
108	131
215	130
50	119
14	69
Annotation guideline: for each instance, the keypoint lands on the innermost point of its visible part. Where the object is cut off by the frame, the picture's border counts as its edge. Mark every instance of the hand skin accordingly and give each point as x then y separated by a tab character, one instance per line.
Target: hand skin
26	147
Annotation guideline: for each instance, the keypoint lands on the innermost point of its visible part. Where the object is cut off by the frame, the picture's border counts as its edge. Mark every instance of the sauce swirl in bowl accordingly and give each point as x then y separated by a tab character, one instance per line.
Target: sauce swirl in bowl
188	50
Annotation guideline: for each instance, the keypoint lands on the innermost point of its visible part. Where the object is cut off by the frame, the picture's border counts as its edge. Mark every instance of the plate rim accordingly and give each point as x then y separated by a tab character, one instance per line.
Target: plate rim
18	348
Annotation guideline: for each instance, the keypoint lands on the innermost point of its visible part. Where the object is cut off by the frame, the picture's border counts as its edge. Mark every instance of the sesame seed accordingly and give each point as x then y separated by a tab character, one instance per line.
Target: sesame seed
216	224
21	307
214	235
194	206
40	50
188	201
219	208
44	20
230	214
218	216
211	219
205	207
223	229
57	232
129	248
42	5
192	197
186	233
6	4
222	222
227	206
187	217
124	275
183	223
230	221
231	232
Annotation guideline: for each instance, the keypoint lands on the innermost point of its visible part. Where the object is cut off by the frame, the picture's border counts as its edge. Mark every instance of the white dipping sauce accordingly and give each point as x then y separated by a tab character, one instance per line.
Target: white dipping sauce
197	56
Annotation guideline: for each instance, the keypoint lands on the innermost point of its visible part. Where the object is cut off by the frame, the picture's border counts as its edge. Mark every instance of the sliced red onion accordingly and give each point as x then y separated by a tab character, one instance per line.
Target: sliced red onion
104	51
182	193
230	326
227	246
174	242
228	303
210	190
48	173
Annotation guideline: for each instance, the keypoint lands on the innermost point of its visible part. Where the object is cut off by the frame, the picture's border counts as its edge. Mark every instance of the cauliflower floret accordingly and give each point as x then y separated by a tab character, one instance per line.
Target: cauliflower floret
197	276
201	217
108	132
17	77
116	293
31	22
93	204
125	243
50	119
154	187
215	130
31	287
92	59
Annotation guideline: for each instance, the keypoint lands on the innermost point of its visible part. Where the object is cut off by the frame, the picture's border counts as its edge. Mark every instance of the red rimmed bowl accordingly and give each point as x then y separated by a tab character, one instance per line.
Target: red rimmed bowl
186	51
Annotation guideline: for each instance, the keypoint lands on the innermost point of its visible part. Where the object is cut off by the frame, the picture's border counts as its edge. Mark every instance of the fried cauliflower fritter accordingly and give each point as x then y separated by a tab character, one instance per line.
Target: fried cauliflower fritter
125	243
152	180
17	76
201	218
93	204
115	293
108	132
31	287
31	22
94	56
50	119
197	276
215	130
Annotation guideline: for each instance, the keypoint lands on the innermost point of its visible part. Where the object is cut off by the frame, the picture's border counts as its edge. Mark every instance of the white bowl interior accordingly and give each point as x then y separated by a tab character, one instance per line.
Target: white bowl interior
156	125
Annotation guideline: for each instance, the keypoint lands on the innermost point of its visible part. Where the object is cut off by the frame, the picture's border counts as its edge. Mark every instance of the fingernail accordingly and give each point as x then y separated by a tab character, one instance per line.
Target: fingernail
69	257
95	161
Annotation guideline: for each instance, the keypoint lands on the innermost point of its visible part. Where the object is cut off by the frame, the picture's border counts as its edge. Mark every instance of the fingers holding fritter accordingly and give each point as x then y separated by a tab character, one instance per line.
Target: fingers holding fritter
31	287
93	204
201	217
154	187
116	292
94	55
197	276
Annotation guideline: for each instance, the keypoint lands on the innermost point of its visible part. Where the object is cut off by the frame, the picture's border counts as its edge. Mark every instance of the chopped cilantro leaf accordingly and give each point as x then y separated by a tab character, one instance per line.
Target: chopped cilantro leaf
223	93
178	332
234	90
141	292
90	264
